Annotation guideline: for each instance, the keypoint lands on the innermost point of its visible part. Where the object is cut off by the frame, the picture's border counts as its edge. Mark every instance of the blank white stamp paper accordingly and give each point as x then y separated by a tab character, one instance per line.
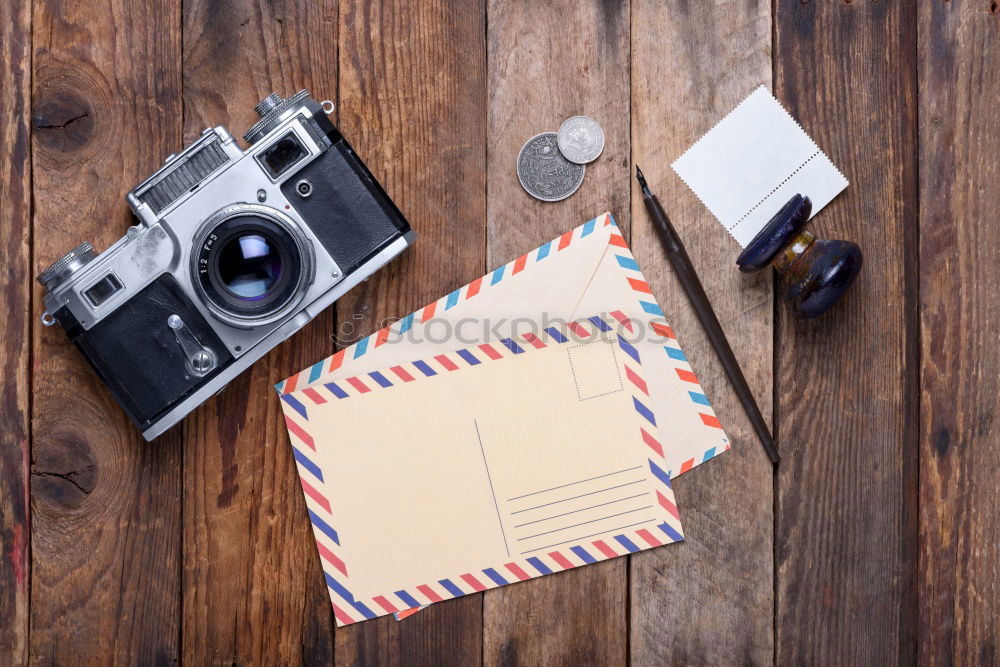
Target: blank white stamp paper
752	162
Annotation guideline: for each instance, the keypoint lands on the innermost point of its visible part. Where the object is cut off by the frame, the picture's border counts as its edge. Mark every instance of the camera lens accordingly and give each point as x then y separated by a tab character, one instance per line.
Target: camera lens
249	266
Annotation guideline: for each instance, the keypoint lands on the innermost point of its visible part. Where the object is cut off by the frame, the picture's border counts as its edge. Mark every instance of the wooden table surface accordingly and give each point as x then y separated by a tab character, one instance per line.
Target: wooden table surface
876	540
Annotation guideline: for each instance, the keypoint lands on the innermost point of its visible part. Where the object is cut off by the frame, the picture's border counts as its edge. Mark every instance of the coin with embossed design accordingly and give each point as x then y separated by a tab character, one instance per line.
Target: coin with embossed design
581	139
543	171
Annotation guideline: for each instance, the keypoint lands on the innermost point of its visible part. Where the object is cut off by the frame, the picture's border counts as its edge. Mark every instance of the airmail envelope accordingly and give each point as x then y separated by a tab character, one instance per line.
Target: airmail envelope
585	271
481	467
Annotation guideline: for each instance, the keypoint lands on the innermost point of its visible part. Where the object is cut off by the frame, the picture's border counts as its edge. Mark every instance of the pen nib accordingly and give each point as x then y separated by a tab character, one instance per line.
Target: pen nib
642	182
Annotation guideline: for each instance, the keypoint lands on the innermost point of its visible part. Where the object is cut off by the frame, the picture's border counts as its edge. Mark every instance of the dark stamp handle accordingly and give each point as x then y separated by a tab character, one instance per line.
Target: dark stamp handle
816	272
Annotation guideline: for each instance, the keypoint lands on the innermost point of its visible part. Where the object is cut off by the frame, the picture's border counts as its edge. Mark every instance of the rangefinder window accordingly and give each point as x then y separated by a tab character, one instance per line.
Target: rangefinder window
103	289
282	154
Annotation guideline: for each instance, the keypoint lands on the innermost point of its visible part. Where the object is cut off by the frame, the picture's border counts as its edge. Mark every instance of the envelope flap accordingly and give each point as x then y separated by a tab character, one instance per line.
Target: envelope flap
544	283
589	269
696	433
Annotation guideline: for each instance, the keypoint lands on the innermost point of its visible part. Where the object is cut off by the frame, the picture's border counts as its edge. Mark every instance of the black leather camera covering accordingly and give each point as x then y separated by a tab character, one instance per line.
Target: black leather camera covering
348	210
136	354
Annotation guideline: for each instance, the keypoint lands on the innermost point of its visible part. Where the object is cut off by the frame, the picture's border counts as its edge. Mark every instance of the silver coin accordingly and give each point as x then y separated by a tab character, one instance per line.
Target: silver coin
543	171
581	139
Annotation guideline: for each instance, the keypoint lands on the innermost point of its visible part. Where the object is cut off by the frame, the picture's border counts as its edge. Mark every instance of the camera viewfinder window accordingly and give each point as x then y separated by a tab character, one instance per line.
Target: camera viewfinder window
282	154
103	289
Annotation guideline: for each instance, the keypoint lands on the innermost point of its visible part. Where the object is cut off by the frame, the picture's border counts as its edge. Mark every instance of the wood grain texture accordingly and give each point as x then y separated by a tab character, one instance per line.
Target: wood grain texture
412	102
959	55
547	62
15	285
847	381
253	588
105	505
708	600
879	533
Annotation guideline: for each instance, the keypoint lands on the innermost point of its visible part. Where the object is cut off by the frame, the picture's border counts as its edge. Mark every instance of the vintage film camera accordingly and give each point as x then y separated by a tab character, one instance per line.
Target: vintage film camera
234	252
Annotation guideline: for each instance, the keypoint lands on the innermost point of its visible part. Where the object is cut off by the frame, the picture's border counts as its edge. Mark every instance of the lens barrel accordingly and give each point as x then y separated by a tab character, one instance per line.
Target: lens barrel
251	264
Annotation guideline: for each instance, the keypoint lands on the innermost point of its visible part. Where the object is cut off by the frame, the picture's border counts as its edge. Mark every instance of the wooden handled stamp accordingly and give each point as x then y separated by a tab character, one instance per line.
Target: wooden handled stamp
756	157
816	272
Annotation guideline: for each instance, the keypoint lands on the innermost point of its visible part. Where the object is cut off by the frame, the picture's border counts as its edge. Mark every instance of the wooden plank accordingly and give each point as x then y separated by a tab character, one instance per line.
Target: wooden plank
253	586
847	382
710	599
959	60
412	91
547	62
15	285
106	506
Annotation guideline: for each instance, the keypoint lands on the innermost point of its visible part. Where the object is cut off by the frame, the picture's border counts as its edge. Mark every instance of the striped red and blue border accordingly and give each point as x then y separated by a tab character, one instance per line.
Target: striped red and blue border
658	324
347	608
332	363
637	283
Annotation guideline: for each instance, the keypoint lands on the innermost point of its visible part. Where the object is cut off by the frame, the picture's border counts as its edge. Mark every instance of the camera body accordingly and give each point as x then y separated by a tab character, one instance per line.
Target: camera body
234	251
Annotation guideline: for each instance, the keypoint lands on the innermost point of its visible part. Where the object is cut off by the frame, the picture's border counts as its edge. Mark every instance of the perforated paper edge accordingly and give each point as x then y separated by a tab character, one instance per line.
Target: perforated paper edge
739	106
